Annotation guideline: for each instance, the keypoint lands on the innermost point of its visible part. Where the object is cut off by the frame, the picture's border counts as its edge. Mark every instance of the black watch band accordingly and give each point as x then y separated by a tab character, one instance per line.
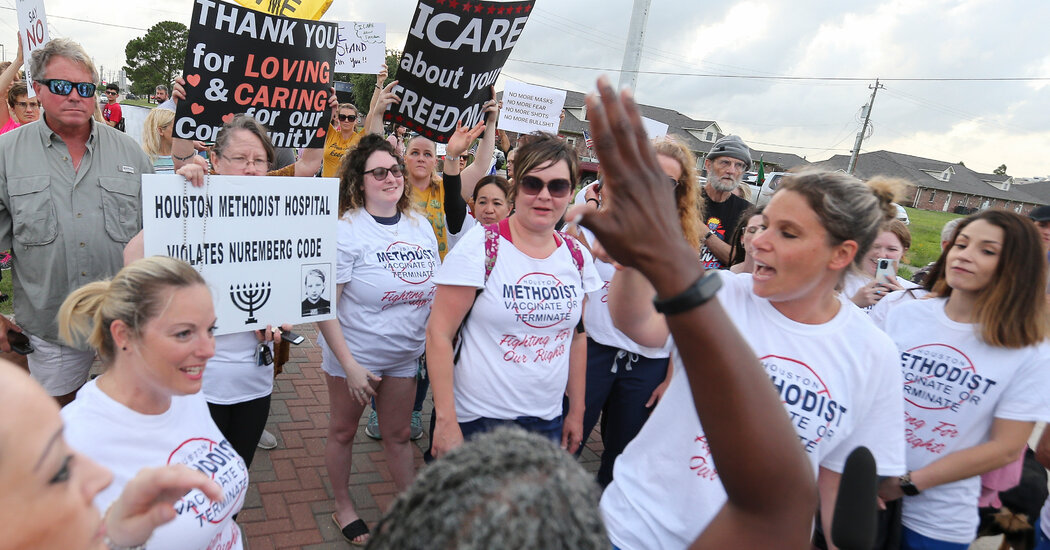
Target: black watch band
907	487
696	295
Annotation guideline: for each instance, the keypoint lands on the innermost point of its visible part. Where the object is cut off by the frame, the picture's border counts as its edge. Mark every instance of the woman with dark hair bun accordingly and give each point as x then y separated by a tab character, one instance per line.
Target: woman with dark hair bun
387	254
976	367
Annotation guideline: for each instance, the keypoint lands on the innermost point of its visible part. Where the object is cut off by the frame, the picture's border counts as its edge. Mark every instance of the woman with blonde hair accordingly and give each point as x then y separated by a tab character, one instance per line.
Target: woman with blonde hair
624	379
156	139
976	367
152	326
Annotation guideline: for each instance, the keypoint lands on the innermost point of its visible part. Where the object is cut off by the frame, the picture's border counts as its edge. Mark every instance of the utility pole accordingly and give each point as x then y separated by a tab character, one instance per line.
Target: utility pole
632	56
863	129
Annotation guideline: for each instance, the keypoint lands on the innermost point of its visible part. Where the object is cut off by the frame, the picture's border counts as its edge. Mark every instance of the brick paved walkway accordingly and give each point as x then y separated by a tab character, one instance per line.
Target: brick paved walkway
289	502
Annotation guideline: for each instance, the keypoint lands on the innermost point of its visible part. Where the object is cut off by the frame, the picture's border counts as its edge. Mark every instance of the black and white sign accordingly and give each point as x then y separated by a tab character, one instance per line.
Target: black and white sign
262	243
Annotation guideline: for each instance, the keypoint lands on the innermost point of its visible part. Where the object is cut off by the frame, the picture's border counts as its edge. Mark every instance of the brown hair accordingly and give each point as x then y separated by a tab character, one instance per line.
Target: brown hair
848	209
1011	311
16	89
491	179
542	149
737	254
135	295
687	193
352	178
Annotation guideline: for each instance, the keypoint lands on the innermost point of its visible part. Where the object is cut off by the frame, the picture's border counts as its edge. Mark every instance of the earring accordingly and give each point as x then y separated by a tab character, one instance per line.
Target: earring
125	348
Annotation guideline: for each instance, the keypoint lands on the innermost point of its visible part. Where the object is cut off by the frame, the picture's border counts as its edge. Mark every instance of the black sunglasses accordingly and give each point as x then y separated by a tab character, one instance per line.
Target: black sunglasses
531	185
347	118
58	86
380	173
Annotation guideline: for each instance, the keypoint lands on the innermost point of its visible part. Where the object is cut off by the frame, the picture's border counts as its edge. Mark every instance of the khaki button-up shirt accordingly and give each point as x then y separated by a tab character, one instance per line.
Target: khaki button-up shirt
65	227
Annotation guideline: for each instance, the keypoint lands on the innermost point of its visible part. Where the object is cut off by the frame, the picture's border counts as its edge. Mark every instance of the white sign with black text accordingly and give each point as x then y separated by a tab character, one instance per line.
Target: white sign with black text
265	245
32	26
361	48
528	108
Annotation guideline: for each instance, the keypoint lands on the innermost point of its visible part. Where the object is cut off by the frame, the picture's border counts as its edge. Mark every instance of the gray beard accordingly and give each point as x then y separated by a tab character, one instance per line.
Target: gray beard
724	187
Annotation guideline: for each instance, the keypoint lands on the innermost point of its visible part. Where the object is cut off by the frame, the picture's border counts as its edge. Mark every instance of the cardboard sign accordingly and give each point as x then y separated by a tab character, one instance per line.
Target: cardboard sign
528	108
276	69
265	245
654	128
299	9
361	48
454	52
32	25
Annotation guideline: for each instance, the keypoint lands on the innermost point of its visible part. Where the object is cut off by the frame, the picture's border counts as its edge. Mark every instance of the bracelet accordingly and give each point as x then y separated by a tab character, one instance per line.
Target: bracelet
709	233
596	201
114	546
187	157
696	295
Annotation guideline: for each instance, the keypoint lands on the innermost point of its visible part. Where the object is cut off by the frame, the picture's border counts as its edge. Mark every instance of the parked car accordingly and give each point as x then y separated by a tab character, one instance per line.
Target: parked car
902	214
761	195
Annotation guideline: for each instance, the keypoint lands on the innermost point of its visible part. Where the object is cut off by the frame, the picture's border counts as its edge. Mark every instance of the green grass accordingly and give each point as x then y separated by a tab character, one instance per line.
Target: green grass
139	103
8	307
925	235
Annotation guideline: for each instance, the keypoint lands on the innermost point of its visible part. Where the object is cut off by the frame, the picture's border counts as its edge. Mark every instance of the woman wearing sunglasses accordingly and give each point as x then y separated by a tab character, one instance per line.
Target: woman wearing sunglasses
387	254
523	286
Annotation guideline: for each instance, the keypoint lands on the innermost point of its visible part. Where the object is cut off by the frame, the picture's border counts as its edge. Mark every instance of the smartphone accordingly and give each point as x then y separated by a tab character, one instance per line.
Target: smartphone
19	342
886	272
292	337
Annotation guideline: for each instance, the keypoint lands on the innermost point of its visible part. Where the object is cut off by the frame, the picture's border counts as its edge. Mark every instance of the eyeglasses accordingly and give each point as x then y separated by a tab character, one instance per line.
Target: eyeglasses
726	163
755	228
380	173
58	86
111	92
531	185
242	162
28	104
346	118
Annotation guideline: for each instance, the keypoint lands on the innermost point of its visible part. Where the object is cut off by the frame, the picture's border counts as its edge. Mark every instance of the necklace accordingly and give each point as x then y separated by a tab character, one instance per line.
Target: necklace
185	218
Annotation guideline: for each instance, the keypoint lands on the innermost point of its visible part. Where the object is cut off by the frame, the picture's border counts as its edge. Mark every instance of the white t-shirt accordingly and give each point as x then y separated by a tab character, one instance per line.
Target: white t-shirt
126	441
855	281
598	322
233	375
954	386
878	312
839	385
514	353
388	276
468	223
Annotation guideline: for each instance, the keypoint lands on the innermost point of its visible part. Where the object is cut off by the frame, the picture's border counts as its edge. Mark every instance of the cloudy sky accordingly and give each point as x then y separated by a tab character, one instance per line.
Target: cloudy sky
694	49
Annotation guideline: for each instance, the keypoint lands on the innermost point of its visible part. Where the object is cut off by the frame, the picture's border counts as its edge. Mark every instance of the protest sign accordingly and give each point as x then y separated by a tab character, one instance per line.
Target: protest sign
528	108
654	128
32	26
454	52
299	9
276	69
261	243
361	48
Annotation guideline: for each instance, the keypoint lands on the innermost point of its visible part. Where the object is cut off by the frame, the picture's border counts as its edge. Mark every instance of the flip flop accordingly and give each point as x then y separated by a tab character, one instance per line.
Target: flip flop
352	530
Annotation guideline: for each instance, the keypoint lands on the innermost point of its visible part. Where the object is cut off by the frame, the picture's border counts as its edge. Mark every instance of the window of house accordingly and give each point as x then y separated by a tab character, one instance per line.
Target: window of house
932	194
710	136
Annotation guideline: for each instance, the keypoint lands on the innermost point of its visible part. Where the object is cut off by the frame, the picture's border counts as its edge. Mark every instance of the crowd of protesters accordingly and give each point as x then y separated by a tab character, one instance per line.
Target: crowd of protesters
656	306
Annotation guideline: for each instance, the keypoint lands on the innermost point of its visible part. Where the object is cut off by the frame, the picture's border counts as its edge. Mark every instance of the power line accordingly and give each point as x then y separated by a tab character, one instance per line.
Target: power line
49	16
810	78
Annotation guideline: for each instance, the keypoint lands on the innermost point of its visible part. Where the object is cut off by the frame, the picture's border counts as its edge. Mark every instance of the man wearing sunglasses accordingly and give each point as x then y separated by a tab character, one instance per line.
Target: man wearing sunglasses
726	164
69	201
111	113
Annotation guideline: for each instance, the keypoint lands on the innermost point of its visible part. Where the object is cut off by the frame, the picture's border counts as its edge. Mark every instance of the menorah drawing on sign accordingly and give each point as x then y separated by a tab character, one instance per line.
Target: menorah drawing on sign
249	298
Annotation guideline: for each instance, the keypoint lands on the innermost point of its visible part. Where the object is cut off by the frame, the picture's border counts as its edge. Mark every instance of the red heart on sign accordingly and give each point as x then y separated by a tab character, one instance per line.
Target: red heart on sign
320	132
193	79
227	117
196	108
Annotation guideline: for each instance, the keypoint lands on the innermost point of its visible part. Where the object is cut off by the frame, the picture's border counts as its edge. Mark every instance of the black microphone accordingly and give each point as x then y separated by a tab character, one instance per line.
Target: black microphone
854	524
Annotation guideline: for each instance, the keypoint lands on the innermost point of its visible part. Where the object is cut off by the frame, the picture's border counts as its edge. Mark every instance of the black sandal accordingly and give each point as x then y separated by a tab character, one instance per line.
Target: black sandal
352	530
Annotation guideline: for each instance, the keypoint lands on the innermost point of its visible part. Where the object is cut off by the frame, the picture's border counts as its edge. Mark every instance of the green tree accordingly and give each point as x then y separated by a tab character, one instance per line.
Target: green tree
1000	171
156	57
365	83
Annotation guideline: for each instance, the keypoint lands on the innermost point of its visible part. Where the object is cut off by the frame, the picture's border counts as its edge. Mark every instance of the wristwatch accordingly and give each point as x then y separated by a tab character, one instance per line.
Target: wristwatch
907	487
709	233
696	295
